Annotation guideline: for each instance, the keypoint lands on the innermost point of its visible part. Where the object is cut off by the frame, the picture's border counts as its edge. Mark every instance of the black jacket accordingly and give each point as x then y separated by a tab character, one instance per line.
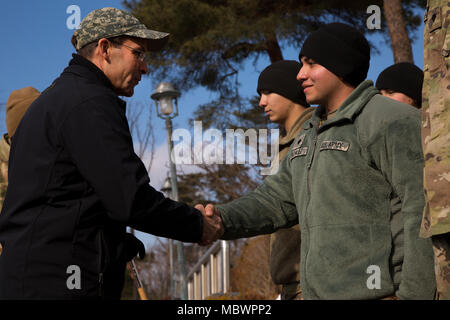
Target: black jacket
75	183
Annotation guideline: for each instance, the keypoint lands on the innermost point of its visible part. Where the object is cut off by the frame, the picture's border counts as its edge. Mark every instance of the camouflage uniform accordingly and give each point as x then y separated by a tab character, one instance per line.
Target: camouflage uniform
285	243
4	155
436	139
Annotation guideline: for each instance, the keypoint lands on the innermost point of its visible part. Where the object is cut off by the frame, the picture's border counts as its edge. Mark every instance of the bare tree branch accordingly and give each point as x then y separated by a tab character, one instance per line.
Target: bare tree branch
139	117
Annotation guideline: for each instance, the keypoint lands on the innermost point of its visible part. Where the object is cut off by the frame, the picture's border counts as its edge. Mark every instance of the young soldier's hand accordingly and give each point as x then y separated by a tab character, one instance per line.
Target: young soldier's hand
212	224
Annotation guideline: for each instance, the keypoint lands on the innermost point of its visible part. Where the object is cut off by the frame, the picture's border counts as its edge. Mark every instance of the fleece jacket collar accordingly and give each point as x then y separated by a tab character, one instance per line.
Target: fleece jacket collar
290	136
349	109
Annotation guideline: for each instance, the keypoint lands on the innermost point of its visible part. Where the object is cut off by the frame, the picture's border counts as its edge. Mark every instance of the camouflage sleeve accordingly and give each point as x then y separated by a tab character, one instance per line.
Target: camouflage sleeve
436	119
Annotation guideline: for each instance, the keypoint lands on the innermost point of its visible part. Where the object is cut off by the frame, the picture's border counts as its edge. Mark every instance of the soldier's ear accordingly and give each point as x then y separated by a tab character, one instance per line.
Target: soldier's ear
104	47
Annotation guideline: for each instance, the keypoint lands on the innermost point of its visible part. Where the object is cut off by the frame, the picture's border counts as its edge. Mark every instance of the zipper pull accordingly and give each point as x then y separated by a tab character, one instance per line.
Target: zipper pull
100	282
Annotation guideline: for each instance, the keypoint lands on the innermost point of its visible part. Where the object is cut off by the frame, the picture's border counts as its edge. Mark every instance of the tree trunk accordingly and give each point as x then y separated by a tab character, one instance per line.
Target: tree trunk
395	20
273	48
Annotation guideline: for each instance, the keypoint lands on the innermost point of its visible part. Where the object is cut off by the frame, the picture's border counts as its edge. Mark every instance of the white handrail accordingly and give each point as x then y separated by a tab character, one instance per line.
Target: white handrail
211	274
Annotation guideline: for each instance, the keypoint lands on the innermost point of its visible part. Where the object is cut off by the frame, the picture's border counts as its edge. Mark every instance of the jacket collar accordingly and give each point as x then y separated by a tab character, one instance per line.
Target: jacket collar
290	136
80	65
349	109
86	69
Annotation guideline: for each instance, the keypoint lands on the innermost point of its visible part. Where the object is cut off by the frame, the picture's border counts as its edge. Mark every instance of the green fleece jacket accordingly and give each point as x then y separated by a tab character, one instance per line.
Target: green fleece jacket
338	182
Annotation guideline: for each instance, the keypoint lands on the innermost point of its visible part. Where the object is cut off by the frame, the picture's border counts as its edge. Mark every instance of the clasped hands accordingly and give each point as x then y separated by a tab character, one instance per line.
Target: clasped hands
212	224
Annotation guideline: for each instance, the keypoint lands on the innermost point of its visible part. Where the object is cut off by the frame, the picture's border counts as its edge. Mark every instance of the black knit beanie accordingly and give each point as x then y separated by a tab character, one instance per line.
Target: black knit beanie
281	78
341	49
403	77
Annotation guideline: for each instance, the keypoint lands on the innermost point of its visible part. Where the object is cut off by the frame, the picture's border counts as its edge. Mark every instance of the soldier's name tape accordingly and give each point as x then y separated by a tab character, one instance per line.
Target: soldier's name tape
325	145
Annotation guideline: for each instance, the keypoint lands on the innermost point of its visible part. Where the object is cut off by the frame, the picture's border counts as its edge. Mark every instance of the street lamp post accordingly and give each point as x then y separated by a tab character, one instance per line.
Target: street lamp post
167	190
165	97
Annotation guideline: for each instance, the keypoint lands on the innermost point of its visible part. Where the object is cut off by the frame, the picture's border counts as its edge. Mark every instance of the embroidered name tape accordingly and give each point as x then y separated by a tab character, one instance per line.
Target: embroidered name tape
298	152
335	145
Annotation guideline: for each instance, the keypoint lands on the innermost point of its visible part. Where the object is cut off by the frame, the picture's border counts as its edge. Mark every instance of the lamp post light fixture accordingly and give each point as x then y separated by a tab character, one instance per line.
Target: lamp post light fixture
166	96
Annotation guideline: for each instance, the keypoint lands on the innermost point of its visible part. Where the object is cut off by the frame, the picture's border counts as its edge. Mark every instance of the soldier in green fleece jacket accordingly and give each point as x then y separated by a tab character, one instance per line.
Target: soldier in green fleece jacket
359	151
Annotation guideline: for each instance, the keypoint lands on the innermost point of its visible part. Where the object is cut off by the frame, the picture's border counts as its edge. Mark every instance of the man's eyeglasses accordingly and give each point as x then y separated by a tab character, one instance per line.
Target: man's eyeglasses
139	54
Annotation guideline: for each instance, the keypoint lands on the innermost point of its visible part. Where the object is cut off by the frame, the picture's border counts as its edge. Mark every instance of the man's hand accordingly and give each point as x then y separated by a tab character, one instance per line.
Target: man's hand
133	246
212	224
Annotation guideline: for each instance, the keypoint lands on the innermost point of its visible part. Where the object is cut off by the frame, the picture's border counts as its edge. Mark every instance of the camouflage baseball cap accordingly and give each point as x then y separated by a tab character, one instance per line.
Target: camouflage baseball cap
111	22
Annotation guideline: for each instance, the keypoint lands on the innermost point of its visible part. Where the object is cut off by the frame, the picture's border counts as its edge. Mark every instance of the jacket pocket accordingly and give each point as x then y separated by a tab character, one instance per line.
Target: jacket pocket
349	262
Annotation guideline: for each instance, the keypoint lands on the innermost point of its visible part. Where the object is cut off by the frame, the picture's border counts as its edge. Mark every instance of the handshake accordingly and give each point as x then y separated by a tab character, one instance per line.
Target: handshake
212	224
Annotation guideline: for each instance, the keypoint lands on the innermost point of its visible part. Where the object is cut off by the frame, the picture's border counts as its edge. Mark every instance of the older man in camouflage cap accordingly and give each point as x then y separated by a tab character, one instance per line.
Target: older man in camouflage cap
75	183
111	22
110	28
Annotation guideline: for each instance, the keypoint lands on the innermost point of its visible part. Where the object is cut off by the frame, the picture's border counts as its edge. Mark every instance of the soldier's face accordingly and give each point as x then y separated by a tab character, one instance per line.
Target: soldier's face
276	107
398	96
126	69
320	85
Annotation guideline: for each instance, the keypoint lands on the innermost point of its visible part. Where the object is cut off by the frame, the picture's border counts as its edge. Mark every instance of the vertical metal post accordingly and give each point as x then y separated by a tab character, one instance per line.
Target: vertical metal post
172	280
134	282
173	178
226	265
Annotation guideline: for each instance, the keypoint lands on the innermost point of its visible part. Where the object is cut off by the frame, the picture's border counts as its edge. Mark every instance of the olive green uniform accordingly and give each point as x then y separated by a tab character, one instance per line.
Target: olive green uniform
337	182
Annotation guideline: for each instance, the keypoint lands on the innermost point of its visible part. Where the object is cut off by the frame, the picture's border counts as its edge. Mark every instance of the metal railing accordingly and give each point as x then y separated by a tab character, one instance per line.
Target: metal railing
211	275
